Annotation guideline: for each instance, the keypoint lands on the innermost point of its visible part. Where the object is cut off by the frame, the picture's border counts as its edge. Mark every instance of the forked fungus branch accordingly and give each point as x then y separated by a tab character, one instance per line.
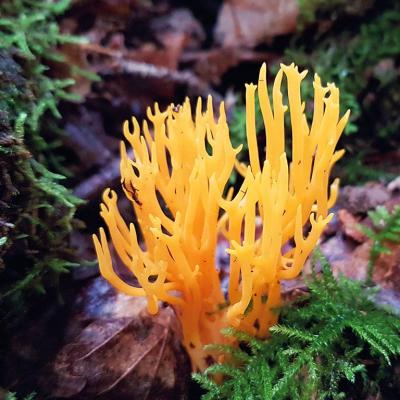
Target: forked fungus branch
177	184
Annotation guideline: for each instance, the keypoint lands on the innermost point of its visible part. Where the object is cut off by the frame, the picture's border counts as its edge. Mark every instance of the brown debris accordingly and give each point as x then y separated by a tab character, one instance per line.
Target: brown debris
115	350
387	268
149	63
349	250
350	225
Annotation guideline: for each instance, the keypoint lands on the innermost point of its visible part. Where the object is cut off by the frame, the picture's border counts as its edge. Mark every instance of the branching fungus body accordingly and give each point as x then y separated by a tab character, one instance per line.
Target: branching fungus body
176	183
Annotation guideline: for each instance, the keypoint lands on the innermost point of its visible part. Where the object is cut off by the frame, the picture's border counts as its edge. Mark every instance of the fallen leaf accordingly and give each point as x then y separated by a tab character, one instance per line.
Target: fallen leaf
78	60
352	261
246	23
115	350
350	226
387	268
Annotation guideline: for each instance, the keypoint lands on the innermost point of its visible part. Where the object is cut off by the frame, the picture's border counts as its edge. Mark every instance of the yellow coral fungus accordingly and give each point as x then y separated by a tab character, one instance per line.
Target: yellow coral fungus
176	184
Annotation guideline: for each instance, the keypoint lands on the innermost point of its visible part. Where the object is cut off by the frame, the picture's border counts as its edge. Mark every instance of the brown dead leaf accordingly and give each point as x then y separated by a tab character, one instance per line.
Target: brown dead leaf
349	224
246	23
387	268
352	261
99	22
76	58
115	350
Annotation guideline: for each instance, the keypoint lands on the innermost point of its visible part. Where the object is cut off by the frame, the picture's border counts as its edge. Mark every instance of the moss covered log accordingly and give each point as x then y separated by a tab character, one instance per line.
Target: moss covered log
37	211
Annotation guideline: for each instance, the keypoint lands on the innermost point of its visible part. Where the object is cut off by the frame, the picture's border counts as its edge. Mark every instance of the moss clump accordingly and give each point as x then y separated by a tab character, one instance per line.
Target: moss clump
311	10
13	396
37	210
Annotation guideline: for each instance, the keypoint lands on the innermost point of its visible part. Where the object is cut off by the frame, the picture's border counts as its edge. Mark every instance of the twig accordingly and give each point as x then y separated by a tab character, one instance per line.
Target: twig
126	64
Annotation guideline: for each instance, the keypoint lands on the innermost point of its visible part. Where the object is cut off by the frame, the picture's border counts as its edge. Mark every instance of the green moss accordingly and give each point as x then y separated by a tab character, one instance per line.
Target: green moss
311	10
37	210
13	396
